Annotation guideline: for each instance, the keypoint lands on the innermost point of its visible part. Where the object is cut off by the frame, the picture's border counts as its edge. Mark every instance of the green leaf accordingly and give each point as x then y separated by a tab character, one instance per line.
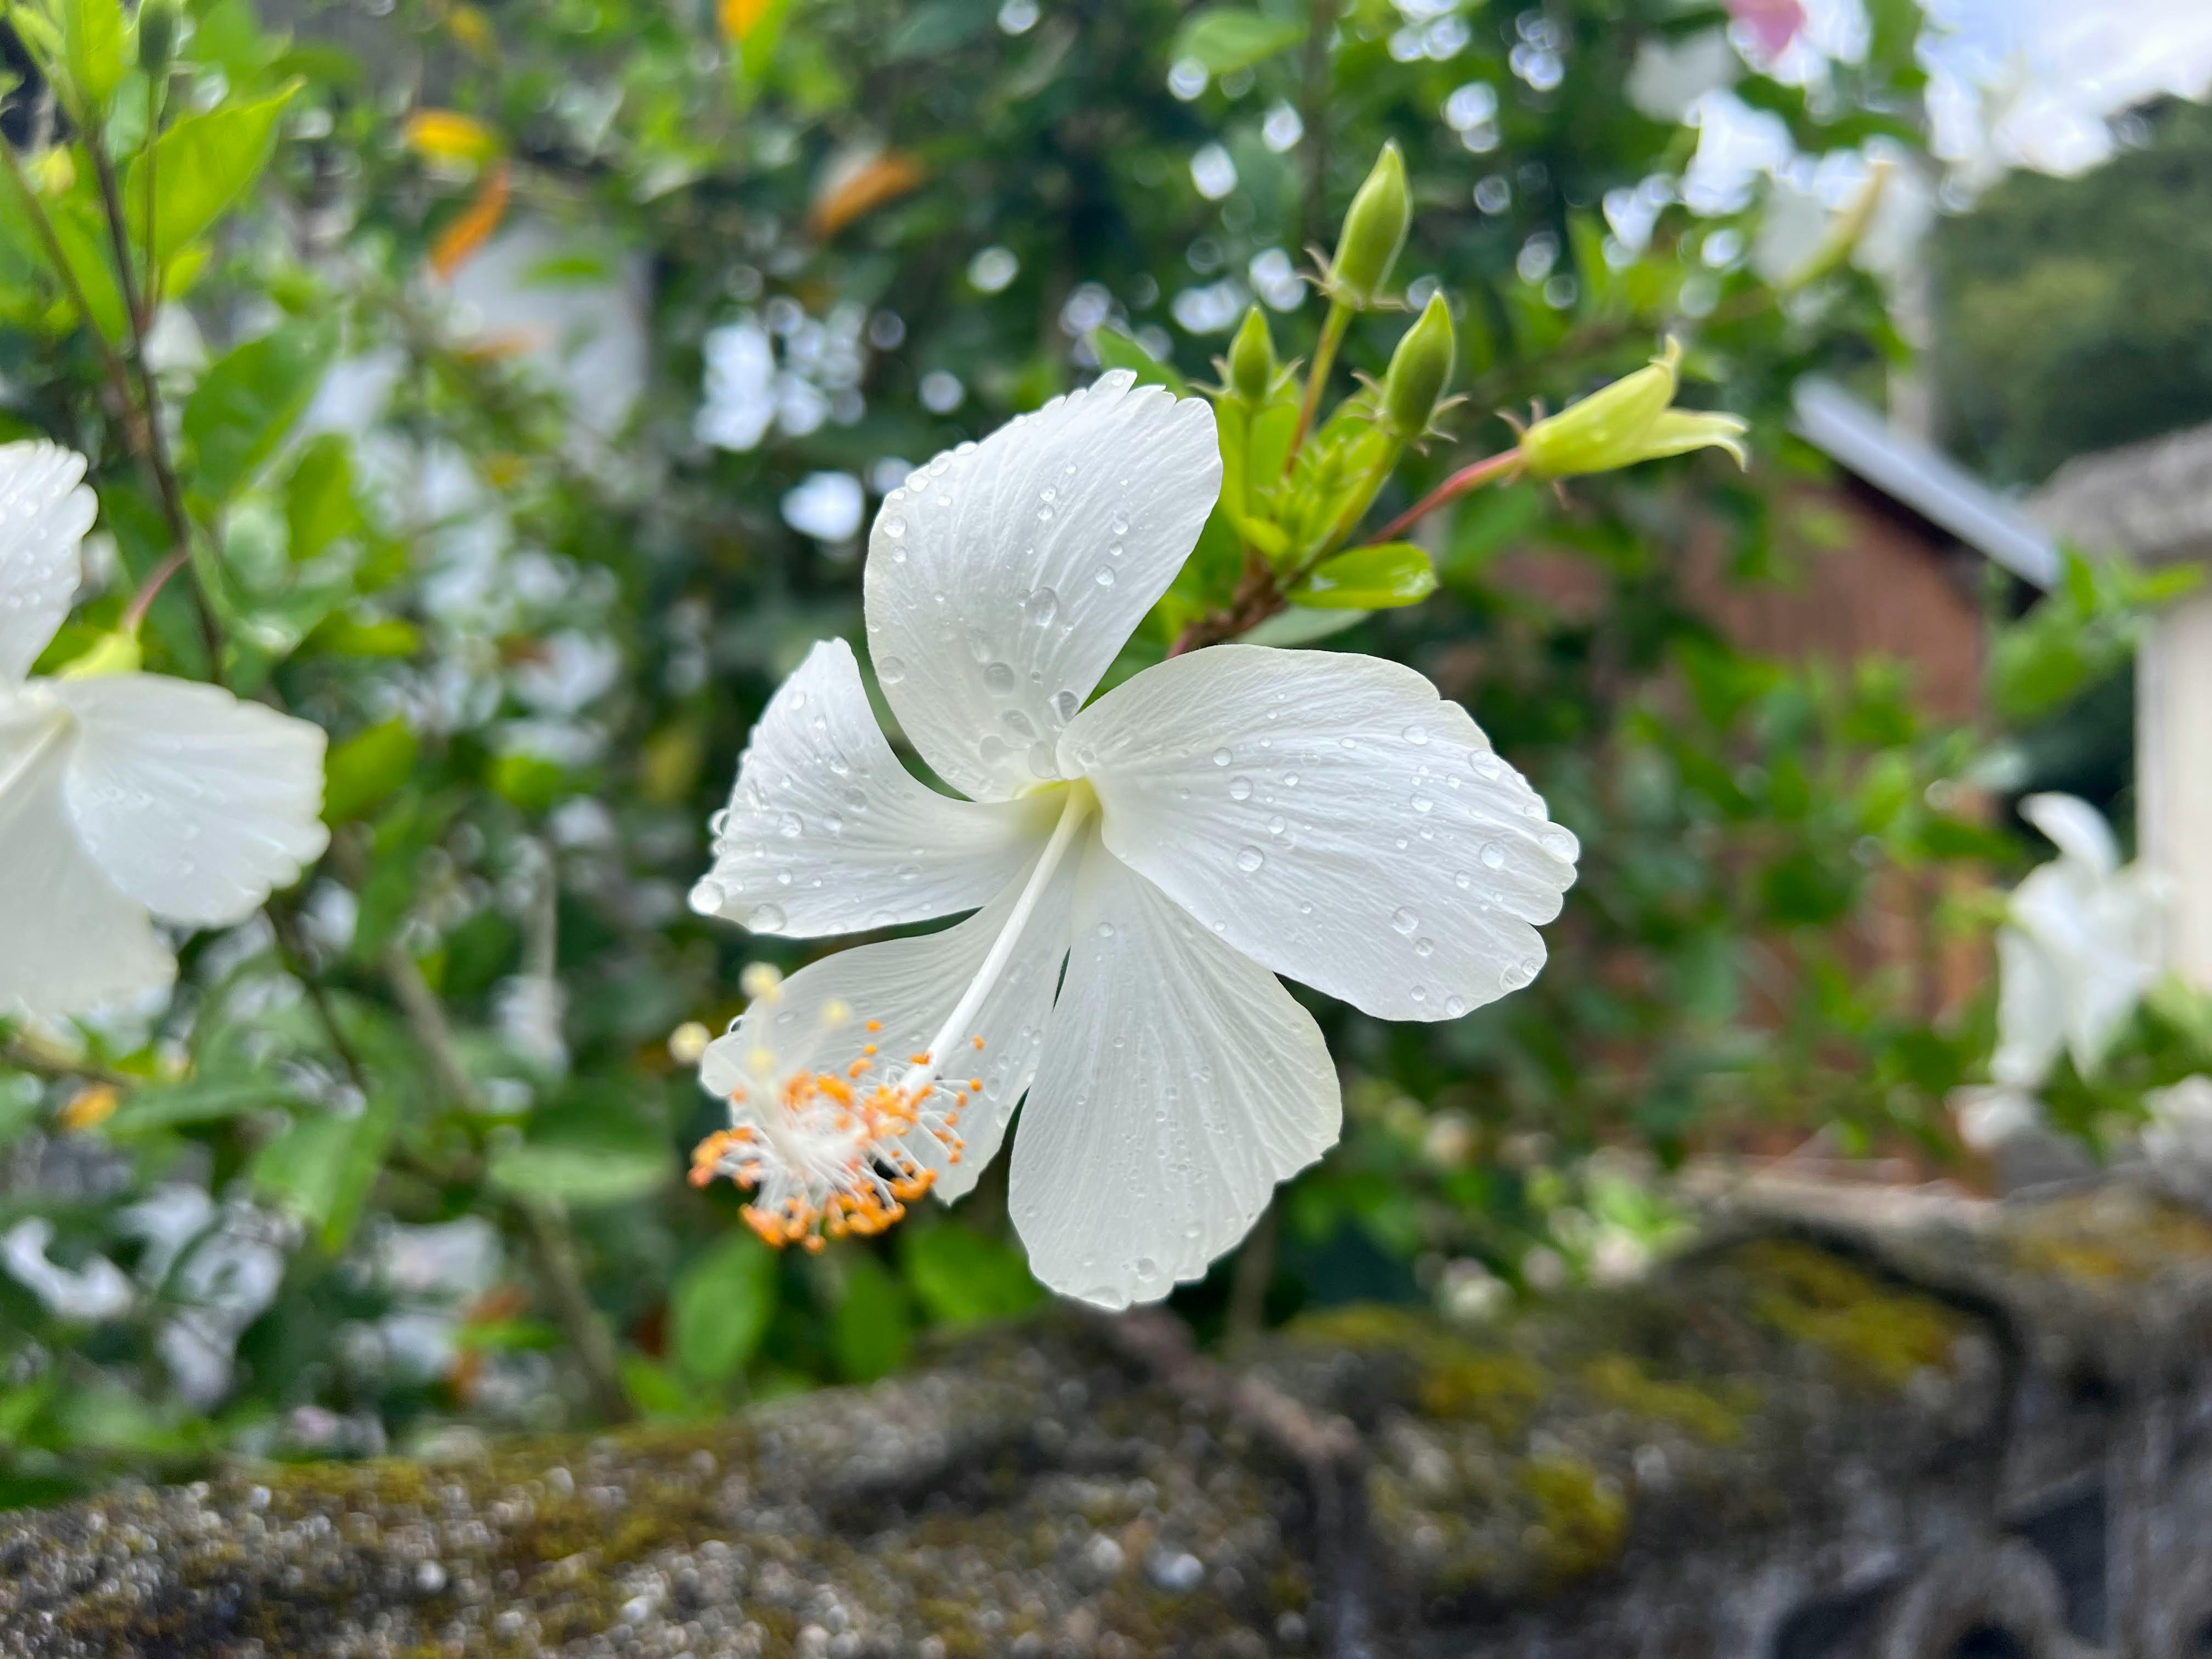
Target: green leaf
1118	350
580	1172
250	400
1226	38
721	1306
1370	578
200	165
871	1331
202	1100
319	500
364	771
964	1278
323	1167
93	49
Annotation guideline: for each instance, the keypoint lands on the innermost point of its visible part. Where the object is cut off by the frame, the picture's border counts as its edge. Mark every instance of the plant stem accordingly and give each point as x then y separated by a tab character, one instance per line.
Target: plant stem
544	1219
1321	21
135	309
1332	337
119	379
1486	471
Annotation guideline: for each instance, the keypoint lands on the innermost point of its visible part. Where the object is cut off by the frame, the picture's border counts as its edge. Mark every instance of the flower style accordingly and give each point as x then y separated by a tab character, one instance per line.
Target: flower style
1225	816
123	796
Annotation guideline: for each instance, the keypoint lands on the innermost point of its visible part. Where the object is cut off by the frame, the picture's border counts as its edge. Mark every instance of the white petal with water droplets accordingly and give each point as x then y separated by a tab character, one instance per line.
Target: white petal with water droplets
1004	577
71	943
1180	1083
910	986
1330	817
193	803
44	511
827	833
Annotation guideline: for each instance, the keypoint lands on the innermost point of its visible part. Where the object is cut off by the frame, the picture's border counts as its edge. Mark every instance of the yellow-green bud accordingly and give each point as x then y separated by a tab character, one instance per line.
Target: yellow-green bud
111	653
1631	420
1374	230
1252	359
1420	369
158	29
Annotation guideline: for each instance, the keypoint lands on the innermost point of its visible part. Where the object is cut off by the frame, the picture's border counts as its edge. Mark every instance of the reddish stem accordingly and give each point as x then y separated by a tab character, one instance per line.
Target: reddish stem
1466	479
151	590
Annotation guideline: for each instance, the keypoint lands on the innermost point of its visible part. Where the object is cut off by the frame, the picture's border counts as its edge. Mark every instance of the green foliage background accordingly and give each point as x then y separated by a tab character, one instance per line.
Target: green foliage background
344	1077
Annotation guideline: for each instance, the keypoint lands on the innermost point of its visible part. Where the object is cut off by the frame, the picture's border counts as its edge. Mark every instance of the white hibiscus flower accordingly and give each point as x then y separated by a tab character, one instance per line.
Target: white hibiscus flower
2079	948
1224	817
123	797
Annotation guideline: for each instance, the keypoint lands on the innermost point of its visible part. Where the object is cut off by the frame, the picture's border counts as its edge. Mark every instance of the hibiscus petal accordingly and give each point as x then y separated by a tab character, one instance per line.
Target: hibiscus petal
195	804
827	833
44	511
1006	575
72	943
2031	1011
908	986
1327	815
1180	1083
2076	829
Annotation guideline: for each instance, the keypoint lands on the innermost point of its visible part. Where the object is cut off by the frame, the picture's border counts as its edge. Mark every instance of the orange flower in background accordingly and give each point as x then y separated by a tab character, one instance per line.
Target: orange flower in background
90	1107
858	184
473	228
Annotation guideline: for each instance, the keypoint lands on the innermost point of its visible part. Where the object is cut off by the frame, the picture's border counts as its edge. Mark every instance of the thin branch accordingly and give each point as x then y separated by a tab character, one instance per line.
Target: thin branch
1486	471
544	1219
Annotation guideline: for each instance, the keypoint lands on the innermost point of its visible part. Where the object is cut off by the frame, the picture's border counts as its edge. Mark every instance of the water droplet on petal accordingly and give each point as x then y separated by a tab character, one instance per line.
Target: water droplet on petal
1240	788
1105	930
1454	1007
768	919
1041	607
890	670
706	897
1424	947
1104	578
1250	860
1416	735
1558	843
1065	704
1221	758
999	677
1492	855
1404	920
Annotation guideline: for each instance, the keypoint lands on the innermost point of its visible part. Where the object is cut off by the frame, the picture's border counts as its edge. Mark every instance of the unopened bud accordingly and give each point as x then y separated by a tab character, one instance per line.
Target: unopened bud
111	653
158	27
1420	369
1252	359
1374	230
1631	420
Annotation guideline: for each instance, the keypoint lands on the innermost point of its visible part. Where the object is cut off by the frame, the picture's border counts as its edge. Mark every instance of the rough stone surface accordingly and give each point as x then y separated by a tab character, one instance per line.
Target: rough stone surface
1843	1427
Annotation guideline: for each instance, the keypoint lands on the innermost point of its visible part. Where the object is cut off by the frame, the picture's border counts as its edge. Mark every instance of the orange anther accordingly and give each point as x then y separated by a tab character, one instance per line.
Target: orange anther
978	1041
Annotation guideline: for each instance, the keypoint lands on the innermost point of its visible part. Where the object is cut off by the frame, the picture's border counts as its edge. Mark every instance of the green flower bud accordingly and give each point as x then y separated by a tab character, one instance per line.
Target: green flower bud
111	653
1252	359
1630	420
1420	369
1374	230
158	29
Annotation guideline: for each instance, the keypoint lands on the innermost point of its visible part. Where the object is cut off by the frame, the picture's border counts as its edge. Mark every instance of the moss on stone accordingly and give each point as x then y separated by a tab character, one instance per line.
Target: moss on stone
1715	1416
1881	1336
1582	1517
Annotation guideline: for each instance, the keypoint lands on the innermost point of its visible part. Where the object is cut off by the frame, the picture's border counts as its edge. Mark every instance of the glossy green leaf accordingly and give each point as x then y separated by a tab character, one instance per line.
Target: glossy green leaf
963	1278
323	1167
582	1173
92	46
200	165
719	1308
871	1330
1370	578
250	401
364	770
1118	350
1229	38
319	508
200	1100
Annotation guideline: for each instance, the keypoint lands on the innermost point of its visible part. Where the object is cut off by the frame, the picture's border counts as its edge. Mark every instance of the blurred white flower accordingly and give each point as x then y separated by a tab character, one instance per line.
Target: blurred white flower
99	1290
1223	816
1670	76
826	505
993	269
568	671
1212	172
123	796
1988	1117
1283	128
2080	947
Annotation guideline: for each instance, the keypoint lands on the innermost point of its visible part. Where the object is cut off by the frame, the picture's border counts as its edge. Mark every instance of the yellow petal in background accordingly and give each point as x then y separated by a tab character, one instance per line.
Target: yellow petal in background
445	135
739	18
